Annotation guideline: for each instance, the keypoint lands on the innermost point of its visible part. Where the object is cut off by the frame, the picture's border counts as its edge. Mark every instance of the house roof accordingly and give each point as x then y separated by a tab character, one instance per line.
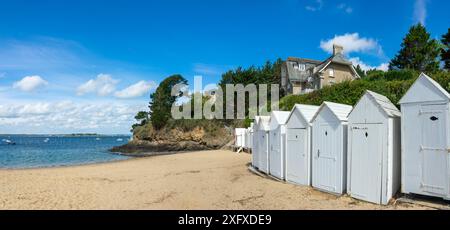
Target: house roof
339	59
341	111
303	60
307	111
429	90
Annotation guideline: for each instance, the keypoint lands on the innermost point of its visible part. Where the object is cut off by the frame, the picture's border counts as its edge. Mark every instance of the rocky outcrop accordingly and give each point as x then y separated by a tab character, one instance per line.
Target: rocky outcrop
147	141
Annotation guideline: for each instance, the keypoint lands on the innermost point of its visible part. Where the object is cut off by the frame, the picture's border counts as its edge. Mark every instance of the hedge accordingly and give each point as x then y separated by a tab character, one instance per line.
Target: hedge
392	84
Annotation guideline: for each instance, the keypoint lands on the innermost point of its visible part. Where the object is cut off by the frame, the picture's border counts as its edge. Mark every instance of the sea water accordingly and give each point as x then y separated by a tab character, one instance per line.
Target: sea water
35	151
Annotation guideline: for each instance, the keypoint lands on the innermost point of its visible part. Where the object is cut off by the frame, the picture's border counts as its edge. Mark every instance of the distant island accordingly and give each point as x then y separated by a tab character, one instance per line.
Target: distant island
82	135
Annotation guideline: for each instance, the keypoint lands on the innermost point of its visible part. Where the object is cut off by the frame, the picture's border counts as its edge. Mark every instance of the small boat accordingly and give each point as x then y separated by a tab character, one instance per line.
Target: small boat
9	142
97	139
119	139
46	140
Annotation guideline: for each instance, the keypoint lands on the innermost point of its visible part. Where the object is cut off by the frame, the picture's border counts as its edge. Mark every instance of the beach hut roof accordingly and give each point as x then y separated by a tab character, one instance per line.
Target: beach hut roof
263	123
383	103
341	111
307	111
278	118
429	90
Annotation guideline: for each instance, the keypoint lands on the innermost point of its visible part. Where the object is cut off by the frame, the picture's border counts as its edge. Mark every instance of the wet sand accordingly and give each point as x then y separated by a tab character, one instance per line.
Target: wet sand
196	180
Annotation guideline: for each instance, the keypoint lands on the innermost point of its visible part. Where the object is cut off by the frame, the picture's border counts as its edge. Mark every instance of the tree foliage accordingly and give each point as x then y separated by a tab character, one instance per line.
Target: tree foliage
360	71
418	51
269	73
445	52
162	100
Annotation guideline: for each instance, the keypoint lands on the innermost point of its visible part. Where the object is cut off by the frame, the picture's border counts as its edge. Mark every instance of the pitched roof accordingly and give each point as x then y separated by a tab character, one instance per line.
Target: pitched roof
263	123
424	78
341	111
339	59
277	119
279	116
384	104
307	111
303	60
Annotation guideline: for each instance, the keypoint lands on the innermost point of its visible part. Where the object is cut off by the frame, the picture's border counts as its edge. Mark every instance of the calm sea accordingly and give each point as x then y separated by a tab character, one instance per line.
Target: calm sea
34	151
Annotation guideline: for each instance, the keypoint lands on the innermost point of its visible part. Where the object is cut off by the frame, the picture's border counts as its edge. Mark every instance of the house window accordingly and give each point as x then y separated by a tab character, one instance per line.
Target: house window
295	66
331	72
302	67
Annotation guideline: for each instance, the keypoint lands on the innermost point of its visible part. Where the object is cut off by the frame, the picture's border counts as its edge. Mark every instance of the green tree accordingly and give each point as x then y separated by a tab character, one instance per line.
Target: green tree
360	71
418	51
445	52
142	119
162	100
269	73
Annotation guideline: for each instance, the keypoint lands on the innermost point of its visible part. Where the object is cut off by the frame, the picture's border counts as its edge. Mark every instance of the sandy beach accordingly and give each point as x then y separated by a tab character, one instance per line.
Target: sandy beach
197	180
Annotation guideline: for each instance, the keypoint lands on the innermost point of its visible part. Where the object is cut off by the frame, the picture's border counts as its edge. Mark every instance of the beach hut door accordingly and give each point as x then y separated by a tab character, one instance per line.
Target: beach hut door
433	149
297	159
326	158
366	161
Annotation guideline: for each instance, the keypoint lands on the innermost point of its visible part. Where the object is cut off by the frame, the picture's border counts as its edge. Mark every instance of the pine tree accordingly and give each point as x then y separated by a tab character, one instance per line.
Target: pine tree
445	52
418	51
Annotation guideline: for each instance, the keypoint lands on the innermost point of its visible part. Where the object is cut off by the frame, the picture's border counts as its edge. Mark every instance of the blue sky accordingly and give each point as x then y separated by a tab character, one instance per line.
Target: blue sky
88	66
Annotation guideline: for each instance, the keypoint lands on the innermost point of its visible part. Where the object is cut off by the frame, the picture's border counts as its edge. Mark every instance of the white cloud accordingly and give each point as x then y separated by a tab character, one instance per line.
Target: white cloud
136	90
420	11
103	85
357	61
318	4
67	117
346	8
352	43
30	83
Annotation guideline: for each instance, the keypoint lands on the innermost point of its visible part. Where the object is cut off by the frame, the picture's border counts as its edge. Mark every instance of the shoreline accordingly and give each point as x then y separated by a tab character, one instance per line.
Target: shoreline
130	158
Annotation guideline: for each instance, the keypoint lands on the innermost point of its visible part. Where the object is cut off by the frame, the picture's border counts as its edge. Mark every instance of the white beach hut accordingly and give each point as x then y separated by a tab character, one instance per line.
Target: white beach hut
373	149
255	146
262	139
239	137
426	139
277	143
298	144
249	138
329	147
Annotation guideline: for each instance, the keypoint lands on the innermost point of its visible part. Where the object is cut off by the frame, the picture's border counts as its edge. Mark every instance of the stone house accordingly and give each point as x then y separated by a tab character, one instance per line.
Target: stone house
300	75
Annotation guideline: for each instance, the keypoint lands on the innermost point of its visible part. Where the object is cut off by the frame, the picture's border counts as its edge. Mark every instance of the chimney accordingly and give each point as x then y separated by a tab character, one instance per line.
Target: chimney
337	49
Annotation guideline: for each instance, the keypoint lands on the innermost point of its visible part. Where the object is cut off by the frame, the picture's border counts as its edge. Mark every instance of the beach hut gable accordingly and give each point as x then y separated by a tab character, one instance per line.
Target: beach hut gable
278	118
375	103
429	90
339	111
304	115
